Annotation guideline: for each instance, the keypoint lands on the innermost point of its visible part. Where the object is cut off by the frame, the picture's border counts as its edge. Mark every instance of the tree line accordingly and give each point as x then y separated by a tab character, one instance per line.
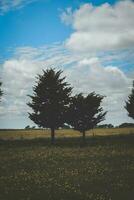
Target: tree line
53	104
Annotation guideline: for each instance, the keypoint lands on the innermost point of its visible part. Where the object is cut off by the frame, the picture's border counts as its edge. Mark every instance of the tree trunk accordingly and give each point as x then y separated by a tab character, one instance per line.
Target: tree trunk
93	132
52	135
83	136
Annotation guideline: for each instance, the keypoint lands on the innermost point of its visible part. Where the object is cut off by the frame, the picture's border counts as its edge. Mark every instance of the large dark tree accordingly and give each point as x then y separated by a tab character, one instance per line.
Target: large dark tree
130	104
50	100
85	113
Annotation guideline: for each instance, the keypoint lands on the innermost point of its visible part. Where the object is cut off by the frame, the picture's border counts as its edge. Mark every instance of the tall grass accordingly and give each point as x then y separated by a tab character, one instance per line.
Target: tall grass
30	134
103	169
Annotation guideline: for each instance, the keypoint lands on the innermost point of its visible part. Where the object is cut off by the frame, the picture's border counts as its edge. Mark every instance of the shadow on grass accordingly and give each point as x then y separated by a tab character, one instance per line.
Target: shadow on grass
72	142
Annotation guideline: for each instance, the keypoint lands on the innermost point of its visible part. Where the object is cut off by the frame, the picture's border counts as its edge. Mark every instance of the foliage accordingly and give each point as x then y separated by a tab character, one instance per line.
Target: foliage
130	104
65	126
28	127
50	100
125	125
105	126
85	112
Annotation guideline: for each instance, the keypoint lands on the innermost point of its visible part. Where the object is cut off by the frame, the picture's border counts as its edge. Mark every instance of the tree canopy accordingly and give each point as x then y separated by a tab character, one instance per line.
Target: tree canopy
130	103
50	100
126	125
105	126
85	113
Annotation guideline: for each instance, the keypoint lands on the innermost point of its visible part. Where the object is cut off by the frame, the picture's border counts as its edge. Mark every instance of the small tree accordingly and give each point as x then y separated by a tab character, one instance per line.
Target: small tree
85	112
27	127
130	103
50	100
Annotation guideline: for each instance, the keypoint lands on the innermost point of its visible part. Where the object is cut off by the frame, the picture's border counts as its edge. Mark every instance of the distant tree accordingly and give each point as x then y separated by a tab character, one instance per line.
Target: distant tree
27	127
1	92
110	126
66	126
50	100
85	113
130	103
126	125
105	126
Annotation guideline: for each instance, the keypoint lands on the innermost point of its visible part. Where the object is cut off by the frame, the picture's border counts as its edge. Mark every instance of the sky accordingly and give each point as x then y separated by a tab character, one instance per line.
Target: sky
91	41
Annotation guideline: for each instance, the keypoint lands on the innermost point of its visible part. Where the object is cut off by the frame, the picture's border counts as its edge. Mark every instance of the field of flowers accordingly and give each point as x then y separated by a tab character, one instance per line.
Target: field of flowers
102	169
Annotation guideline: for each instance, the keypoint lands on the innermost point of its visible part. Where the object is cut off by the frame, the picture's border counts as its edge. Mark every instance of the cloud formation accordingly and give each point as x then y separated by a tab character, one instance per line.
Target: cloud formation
18	77
90	75
105	27
7	5
96	57
85	74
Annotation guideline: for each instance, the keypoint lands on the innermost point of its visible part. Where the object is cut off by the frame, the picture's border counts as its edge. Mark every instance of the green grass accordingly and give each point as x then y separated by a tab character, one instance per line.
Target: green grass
103	169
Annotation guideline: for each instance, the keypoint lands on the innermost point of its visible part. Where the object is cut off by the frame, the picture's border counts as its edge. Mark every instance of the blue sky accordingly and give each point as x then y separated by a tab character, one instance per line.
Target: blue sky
52	32
36	24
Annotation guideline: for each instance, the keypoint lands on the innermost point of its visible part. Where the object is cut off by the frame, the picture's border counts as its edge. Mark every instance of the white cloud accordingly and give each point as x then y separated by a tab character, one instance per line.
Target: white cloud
7	5
89	75
85	73
105	27
96	29
18	76
67	16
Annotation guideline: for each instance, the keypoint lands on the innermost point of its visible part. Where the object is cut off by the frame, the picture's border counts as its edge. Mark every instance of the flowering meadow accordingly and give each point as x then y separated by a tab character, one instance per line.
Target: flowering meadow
100	169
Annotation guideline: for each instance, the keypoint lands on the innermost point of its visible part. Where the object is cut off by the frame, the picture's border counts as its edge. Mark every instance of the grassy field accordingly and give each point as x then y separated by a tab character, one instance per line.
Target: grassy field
31	134
102	169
